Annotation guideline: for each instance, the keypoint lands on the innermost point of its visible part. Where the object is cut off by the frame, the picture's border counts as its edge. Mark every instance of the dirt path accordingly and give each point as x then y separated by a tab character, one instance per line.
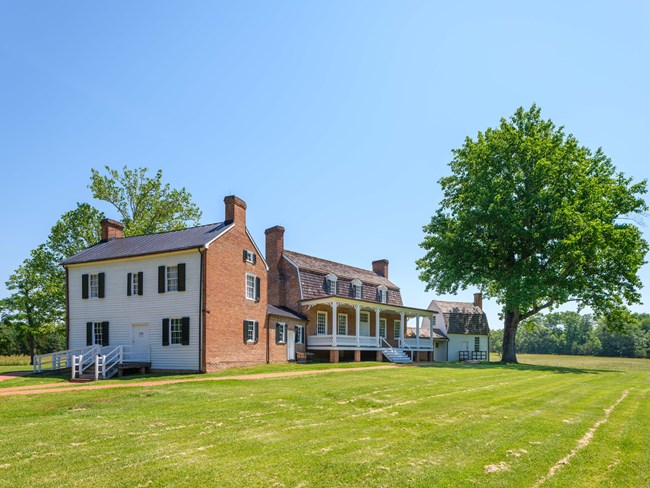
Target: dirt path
13	374
59	387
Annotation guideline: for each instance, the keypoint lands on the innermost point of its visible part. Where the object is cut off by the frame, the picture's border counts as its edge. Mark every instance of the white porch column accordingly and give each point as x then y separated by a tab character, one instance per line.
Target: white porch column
377	310
335	319
417	332
401	326
357	309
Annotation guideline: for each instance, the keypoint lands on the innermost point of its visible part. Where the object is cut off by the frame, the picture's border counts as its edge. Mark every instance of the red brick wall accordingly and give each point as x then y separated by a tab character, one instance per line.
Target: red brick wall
278	352
226	304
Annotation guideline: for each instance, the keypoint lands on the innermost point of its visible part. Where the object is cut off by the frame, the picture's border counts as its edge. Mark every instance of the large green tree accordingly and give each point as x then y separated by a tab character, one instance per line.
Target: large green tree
144	203
535	220
36	306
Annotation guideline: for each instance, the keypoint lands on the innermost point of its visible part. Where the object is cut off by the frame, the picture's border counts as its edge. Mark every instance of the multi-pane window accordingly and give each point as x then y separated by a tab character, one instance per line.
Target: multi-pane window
280	333
342	324
383	295
250	331
321	323
172	278
331	286
249	256
97	332
176	331
433	320
135	290
382	328
300	334
358	291
250	286
477	343
397	325
94	286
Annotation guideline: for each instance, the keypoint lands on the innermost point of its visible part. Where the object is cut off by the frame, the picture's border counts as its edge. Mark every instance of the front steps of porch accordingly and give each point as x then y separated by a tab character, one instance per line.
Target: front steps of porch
397	356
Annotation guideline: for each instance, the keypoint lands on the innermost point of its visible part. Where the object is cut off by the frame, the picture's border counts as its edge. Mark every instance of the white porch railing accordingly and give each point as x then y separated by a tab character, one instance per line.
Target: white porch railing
58	359
342	341
424	343
106	364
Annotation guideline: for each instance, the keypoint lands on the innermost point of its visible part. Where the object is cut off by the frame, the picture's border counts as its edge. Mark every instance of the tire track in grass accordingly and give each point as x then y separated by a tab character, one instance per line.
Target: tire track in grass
584	441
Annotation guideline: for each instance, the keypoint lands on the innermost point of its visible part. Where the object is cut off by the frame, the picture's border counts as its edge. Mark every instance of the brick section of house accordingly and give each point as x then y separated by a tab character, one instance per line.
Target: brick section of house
278	351
226	305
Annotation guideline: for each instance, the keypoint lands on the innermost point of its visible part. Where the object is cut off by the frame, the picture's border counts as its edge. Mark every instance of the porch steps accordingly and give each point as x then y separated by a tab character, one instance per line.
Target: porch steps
397	356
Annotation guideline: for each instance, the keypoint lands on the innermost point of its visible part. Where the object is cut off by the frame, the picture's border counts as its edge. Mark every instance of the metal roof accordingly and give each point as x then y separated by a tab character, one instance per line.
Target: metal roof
176	240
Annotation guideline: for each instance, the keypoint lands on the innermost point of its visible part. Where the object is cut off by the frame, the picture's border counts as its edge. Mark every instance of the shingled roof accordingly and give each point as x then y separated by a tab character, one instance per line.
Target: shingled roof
313	271
463	318
125	247
279	311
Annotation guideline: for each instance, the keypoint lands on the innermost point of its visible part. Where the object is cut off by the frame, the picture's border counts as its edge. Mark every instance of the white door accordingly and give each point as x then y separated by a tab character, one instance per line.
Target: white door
364	324
291	345
464	346
140	342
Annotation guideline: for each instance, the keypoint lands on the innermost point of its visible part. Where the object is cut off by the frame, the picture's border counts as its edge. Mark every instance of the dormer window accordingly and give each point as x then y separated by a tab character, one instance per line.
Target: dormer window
331	282
382	294
357	289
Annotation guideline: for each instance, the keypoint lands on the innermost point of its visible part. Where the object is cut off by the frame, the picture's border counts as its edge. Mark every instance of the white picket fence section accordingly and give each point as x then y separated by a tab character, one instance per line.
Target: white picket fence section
58	359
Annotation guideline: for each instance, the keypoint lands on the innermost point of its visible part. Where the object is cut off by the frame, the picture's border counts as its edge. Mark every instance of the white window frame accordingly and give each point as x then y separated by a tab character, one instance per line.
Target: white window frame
345	324
397	326
382	324
93	285
331	280
300	334
248	287
134	284
320	314
358	290
171	282
250	256
280	326
433	320
97	333
176	331
250	331
383	294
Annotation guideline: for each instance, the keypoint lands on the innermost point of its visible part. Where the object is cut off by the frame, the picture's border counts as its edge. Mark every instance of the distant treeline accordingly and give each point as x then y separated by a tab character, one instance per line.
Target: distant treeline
576	334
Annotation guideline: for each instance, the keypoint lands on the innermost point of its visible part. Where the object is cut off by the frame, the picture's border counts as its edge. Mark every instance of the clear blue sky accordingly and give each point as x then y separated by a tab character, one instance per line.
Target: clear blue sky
334	119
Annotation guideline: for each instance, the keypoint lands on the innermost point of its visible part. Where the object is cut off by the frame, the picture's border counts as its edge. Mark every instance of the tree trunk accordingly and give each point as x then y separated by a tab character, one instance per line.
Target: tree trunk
510	324
32	348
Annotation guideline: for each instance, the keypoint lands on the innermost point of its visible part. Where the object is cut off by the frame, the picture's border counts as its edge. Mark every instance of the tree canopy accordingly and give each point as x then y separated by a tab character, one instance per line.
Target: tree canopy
144	203
535	220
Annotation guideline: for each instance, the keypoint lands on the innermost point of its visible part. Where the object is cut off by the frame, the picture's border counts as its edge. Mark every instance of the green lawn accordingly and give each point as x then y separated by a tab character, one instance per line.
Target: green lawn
410	426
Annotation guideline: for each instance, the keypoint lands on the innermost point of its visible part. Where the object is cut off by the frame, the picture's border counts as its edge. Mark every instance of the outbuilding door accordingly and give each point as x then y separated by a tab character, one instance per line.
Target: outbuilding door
140	342
291	345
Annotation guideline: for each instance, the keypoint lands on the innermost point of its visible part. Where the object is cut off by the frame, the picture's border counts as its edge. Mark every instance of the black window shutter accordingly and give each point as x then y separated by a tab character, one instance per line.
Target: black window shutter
181	277
254	258
140	282
165	332
185	331
161	279
101	281
89	333
257	289
84	286
245	254
245	331
105	340
128	284
256	330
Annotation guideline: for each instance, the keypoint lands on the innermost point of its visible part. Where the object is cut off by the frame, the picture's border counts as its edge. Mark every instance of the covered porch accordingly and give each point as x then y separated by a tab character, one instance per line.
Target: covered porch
348	324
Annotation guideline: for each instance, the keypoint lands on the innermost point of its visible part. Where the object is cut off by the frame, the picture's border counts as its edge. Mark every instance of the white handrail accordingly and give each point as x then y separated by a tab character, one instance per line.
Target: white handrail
381	339
58	359
404	345
104	363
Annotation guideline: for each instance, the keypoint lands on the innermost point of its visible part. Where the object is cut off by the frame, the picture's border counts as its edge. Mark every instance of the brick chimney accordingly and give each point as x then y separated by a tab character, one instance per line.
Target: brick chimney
274	250
381	267
478	300
111	229
235	210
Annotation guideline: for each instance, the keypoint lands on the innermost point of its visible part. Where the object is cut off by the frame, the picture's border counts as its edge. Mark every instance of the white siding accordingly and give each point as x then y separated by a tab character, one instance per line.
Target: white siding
456	344
121	310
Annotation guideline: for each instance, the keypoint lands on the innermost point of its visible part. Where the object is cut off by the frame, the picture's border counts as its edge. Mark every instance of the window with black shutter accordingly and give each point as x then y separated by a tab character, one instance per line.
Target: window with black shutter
185	332
162	285
85	287
105	340
165	332
101	282
140	283
129	280
181	277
